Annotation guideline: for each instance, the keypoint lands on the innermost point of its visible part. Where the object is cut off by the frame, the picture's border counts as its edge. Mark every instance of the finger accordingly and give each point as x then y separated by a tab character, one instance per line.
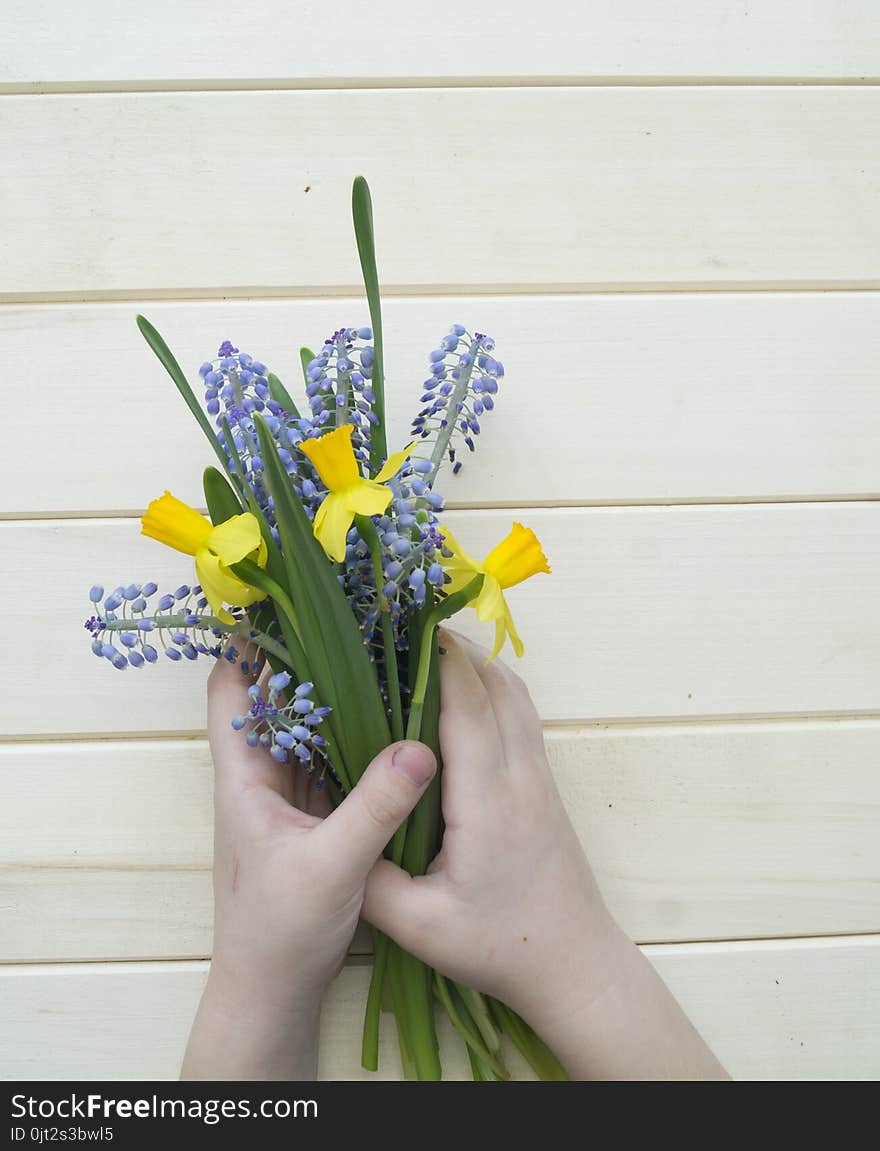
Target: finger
237	766
404	907
469	736
519	724
356	833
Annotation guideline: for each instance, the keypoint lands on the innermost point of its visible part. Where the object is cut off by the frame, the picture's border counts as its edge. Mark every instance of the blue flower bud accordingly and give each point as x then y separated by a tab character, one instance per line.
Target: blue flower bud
96	593
128	638
458	329
434	500
150	653
97	647
131	592
435	575
367	357
389	590
394	569
108	651
284	738
166	602
112	602
304	689
182	592
278	752
302	752
140	604
365	333
300	732
302	706
135	659
252	739
190	652
279	682
422	466
172	653
254	691
416	578
205	368
119	661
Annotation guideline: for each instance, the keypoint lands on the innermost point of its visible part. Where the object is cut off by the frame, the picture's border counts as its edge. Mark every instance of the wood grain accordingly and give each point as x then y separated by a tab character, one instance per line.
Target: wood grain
757	1004
694	832
624	188
607	399
201	43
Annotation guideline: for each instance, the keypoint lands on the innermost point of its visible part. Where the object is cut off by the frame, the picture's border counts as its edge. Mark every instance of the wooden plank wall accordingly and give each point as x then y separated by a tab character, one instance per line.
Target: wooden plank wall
669	222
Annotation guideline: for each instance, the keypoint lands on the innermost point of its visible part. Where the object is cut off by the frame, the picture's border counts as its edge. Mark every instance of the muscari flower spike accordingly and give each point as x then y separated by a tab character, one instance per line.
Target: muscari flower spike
132	628
516	558
460	390
287	729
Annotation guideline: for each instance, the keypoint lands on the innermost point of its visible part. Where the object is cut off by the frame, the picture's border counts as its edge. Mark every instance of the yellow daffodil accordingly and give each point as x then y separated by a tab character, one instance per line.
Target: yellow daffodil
333	458
517	557
172	522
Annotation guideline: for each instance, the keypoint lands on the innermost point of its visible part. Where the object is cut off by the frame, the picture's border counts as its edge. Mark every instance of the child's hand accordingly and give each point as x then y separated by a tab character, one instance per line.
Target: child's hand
289	880
510	905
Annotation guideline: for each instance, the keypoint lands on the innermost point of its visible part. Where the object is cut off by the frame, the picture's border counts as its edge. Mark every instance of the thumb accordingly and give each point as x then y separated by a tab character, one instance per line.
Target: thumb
360	828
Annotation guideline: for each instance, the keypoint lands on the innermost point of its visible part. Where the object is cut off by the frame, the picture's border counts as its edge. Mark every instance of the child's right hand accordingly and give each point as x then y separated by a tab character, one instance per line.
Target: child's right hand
510	906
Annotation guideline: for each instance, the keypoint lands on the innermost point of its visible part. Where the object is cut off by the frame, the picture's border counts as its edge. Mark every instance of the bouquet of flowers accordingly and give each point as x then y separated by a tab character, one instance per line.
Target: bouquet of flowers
325	554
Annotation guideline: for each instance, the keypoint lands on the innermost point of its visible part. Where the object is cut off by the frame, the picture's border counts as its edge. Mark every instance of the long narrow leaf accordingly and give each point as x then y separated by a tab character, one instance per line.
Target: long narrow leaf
174	370
362	213
281	395
222	501
327	621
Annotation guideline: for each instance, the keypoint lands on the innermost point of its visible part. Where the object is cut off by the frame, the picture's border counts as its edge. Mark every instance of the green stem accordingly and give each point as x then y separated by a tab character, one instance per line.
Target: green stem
441	611
471	1035
529	1044
367	531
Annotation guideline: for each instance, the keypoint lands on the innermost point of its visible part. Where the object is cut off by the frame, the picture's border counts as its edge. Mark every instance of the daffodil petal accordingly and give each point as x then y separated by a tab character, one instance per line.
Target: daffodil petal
512	632
221	586
458	578
490	602
460	558
332	521
500	636
517	557
172	522
332	457
393	464
236	538
367	498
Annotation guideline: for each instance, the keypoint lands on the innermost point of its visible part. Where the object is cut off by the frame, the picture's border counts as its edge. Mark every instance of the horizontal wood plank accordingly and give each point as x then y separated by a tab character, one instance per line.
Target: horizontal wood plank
607	399
725	831
650	613
756	1004
42	46
624	187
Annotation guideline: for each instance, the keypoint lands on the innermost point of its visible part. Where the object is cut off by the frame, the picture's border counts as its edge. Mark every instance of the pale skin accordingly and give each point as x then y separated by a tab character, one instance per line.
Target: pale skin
510	906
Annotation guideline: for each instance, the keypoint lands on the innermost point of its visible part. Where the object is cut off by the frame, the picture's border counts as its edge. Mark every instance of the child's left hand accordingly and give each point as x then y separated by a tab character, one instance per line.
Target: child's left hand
289	879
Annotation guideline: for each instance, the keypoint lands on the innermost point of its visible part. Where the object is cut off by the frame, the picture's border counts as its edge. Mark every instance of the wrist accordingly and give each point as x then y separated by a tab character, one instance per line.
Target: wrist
249	1030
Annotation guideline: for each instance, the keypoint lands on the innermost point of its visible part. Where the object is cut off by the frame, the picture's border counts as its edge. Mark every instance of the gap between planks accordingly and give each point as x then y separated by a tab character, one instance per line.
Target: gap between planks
642	724
776	943
345	83
395	291
27	516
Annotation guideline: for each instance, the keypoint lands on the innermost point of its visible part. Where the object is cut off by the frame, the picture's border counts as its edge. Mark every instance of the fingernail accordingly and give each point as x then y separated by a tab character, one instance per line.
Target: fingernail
415	761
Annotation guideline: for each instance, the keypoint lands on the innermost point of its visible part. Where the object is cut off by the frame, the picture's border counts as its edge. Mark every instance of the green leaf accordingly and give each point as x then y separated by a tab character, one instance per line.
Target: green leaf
281	395
306	355
362	213
222	501
344	675
174	370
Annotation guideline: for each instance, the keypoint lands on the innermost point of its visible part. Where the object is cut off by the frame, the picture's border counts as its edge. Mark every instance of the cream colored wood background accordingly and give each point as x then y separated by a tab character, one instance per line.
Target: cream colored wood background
669	221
